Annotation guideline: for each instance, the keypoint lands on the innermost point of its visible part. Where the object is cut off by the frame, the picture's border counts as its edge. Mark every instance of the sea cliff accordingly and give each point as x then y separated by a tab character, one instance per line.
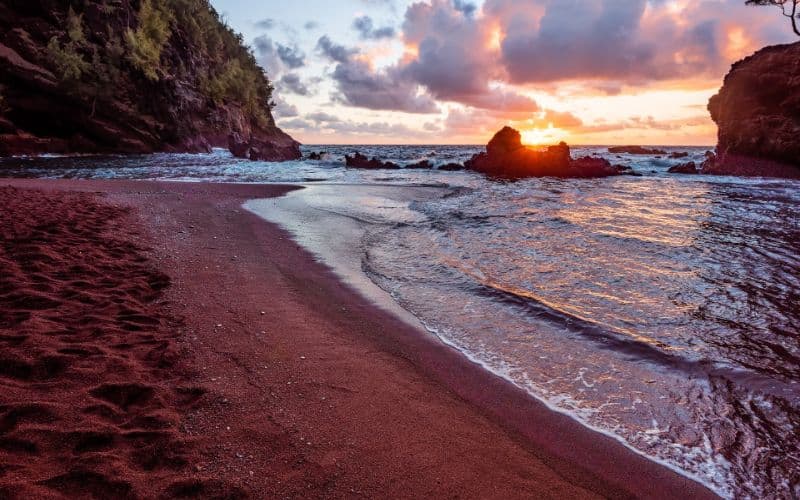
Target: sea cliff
131	76
757	111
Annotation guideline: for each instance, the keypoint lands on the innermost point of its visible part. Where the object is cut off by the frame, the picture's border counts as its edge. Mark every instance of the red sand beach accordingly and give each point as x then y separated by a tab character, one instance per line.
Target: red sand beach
156	340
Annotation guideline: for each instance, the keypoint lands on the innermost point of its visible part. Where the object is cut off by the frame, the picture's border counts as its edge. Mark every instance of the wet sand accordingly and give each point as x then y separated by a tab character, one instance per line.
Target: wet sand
197	350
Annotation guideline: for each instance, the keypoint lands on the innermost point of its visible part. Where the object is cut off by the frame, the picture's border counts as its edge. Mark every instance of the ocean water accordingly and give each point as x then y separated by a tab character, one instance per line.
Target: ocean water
663	310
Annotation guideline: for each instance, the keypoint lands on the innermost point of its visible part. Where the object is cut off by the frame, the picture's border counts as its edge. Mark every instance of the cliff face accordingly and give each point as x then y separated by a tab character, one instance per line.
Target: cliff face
130	76
758	115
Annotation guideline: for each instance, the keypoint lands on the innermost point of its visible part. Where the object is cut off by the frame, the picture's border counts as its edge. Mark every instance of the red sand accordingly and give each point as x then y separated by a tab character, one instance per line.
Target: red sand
255	373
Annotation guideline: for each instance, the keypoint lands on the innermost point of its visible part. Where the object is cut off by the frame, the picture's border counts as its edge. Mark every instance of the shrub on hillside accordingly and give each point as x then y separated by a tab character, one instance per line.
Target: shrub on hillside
66	59
147	41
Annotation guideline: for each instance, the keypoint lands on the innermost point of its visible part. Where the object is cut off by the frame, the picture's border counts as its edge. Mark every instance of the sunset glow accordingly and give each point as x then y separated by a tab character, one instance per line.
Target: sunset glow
539	137
440	71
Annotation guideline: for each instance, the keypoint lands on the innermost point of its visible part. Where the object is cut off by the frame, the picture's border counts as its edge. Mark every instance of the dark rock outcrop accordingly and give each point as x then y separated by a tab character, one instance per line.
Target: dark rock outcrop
757	111
684	168
360	161
678	155
450	167
272	145
635	150
506	157
420	165
116	77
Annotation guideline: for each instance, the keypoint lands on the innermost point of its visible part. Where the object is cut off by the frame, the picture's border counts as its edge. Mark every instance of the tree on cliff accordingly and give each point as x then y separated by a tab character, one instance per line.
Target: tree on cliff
788	7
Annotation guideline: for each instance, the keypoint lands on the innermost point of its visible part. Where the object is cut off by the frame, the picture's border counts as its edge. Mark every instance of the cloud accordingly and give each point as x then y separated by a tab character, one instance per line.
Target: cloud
329	125
559	119
267	55
265	24
468	8
367	31
292	56
295	124
359	85
452	63
454	60
646	123
377	130
481	123
336	52
321	117
311	25
593	38
283	109
624	40
277	58
290	82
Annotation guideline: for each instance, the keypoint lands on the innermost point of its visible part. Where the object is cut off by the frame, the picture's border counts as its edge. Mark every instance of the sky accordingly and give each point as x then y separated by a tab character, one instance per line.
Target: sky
456	71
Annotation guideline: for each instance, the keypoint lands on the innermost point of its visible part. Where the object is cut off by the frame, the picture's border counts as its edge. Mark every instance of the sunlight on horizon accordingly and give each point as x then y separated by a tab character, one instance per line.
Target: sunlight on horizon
543	137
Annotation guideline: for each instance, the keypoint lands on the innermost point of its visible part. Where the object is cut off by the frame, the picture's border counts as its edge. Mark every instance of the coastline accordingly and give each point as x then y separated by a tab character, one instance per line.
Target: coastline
325	394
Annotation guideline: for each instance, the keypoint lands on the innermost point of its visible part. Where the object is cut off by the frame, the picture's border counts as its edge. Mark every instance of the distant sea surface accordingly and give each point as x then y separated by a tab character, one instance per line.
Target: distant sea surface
663	310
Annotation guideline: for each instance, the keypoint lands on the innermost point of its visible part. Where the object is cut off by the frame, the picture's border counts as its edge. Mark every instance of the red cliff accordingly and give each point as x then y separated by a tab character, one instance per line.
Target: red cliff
131	76
757	111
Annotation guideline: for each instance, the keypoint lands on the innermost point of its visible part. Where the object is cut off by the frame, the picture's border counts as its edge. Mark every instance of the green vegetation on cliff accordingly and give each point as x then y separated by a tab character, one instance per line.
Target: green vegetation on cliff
90	62
67	60
131	76
146	42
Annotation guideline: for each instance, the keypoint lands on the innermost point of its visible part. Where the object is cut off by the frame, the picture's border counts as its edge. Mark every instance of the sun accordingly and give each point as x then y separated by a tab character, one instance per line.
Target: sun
542	136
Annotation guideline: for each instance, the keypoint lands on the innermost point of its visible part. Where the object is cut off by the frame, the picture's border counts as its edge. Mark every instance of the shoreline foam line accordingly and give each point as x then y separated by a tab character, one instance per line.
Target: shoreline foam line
292	213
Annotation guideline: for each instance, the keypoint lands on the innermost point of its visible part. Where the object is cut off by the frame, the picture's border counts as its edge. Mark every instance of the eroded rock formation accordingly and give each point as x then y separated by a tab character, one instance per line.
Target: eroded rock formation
507	157
757	111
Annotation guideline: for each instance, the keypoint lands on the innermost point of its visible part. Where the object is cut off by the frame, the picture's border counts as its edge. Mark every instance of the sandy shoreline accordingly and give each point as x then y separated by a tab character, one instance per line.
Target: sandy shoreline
315	392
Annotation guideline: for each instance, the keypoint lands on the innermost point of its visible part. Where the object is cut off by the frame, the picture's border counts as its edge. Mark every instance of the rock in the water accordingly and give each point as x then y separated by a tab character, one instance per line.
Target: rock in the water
757	111
360	161
424	164
274	146
678	155
635	150
450	167
684	168
506	157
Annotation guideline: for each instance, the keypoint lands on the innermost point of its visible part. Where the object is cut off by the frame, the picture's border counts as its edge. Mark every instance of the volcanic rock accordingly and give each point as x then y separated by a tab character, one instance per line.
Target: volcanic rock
678	155
272	145
424	164
635	150
506	157
360	161
684	168
450	167
757	111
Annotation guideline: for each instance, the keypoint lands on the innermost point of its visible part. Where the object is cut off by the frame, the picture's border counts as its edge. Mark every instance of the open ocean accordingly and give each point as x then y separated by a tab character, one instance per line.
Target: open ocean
663	310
